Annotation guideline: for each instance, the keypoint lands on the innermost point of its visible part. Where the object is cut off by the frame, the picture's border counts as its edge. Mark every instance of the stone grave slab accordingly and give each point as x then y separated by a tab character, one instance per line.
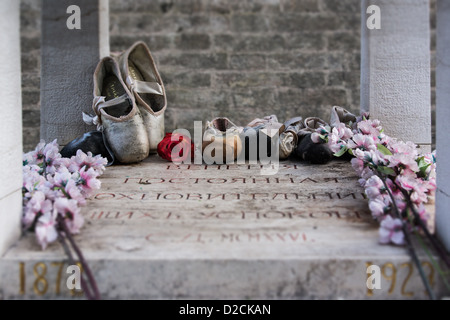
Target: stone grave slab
157	230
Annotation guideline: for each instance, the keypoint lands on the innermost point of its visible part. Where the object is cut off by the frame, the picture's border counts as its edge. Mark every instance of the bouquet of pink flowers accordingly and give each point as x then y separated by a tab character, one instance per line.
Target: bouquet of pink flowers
55	188
398	181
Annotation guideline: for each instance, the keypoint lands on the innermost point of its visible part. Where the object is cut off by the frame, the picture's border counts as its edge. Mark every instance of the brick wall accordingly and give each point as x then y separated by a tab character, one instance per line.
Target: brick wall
240	59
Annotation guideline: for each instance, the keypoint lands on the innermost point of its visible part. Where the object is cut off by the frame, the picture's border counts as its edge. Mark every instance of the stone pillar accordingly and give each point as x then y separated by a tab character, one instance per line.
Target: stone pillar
11	125
443	121
69	57
395	68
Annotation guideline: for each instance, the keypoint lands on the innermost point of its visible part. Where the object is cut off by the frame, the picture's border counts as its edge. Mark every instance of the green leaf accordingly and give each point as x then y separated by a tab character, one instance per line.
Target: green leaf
386	170
341	152
384	150
423	166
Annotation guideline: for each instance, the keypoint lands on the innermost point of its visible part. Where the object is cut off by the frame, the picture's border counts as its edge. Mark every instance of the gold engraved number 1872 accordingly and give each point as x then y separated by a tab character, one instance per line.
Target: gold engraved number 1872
40	283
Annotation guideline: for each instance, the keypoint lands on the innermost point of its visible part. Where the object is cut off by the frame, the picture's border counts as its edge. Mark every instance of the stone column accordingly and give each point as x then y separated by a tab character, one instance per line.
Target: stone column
11	125
443	121
69	57
395	68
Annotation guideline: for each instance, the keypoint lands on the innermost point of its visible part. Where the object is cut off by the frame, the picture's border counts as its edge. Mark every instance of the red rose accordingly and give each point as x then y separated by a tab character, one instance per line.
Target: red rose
176	147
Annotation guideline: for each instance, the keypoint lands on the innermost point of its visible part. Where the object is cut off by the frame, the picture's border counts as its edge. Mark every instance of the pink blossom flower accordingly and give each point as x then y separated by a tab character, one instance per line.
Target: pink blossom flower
357	165
374	187
374	157
363	142
403	161
391	231
60	177
51	157
71	189
335	144
66	207
36	206
28	159
406	182
74	225
338	137
367	173
315	137
362	182
342	131
408	147
421	192
32	180
401	204
419	189
46	228
88	161
69	209
88	181
370	127
38	155
378	208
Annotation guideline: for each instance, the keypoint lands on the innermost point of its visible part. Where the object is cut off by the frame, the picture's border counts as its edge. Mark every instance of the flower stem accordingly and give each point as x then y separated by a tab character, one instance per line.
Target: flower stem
92	282
436	244
84	285
433	262
411	250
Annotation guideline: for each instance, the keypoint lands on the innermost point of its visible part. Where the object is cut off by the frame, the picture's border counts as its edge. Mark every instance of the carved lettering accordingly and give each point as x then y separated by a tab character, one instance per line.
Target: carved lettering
173	196
195	196
243	180
210	196
308	179
287	180
259	195
216	180
127	179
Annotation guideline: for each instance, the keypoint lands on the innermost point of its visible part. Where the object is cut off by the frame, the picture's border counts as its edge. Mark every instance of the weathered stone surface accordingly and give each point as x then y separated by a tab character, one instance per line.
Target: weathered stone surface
158	230
248	61
68	66
292	28
395	78
193	42
443	117
11	128
203	61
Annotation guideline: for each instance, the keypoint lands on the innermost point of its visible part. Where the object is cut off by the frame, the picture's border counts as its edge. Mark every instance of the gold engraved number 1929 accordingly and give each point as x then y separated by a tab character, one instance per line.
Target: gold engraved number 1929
391	276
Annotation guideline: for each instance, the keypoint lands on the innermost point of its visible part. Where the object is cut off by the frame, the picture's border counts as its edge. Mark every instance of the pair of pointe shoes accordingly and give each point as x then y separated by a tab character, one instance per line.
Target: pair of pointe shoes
224	142
129	104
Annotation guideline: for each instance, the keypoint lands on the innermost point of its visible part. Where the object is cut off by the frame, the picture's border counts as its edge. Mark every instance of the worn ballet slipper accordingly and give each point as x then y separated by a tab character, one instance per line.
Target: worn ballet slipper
142	78
259	132
117	115
310	125
341	115
221	141
289	137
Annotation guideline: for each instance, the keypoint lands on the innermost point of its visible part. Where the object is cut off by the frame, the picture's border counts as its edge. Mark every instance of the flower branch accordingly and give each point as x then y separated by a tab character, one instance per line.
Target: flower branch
398	181
54	189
